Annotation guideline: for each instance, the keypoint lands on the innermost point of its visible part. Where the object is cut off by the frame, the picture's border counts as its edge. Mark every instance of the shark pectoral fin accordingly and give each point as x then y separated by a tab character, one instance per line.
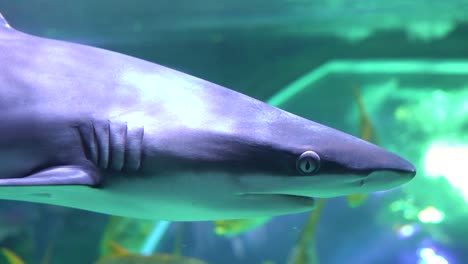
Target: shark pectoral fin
62	175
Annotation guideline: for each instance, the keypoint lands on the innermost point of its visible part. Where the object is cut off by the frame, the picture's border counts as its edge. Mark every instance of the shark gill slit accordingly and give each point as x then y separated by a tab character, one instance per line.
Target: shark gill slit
88	141
101	132
112	146
94	150
117	145
134	148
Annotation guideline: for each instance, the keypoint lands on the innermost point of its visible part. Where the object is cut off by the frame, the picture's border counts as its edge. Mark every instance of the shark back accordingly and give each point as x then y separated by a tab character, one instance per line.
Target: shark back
3	23
69	80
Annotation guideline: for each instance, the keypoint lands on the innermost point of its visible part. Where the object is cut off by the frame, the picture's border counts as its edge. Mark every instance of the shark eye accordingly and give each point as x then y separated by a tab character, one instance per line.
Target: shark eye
308	163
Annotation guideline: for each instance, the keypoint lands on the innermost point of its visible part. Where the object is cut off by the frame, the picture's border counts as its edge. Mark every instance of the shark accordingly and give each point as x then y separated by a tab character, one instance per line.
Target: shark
92	129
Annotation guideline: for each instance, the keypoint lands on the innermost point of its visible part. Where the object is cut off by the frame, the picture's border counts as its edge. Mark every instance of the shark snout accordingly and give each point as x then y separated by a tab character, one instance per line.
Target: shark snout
389	172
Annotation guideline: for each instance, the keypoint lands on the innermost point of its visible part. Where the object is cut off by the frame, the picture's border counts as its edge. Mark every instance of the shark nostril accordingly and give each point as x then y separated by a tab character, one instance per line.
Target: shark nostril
361	183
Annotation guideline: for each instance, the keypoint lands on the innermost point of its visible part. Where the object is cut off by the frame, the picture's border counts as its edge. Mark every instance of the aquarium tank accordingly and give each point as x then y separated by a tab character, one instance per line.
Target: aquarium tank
393	73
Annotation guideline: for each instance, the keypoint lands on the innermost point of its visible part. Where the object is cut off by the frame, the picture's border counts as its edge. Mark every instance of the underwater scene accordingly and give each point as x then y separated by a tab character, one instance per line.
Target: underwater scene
227	132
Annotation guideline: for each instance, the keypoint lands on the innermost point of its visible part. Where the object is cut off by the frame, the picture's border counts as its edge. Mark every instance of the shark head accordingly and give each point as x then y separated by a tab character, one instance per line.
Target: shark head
323	162
260	150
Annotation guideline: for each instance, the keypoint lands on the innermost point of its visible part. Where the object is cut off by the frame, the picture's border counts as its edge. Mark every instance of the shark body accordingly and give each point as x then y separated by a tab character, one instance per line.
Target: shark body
92	129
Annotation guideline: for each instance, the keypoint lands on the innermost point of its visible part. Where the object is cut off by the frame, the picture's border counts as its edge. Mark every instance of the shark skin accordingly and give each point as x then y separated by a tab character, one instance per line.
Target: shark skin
92	129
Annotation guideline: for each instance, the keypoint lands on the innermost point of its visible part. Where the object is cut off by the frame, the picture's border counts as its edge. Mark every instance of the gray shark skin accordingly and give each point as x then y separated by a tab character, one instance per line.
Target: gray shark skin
92	129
